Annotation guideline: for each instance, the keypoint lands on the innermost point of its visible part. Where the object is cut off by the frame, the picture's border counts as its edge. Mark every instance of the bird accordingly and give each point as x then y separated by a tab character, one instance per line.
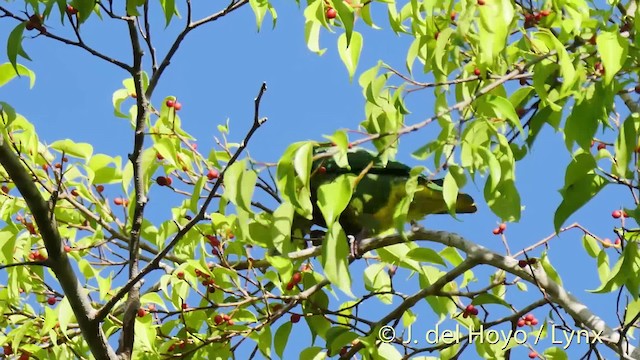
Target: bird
376	195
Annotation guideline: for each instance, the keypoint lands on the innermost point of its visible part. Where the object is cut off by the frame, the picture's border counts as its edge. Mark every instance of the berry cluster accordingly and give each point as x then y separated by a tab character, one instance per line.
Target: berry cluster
174	104
470	310
500	229
219	319
524	263
532	19
617	214
529	320
295	280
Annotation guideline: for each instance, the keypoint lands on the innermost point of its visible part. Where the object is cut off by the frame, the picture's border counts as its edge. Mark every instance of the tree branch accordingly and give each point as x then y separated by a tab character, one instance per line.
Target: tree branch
57	260
257	122
133	301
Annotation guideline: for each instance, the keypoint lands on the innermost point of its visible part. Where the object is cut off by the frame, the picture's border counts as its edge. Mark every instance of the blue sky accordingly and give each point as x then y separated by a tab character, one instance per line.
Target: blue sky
217	73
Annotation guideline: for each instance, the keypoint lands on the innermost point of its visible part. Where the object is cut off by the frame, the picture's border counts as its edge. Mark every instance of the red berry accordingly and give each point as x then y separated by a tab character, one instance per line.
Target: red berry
296	278
226	317
163	180
469	308
529	317
534	322
502	227
476	71
343	351
177	106
71	10
52	300
142	312
212	174
5	189
474	312
198	272
171	348
523	263
331	13
7	350
218	319
67	248
118	201
290	286
180	275
496	231
213	240
602	146
521	323
185	306
538	17
74	192
533	355
545	12
24	356
481	2
100	188
211	289
452	16
170	103
624	214
159	156
520	111
230	322
65	159
465	314
57	165
295	318
616	214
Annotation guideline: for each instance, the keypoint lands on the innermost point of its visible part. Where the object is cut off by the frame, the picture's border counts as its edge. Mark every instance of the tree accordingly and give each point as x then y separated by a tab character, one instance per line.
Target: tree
223	276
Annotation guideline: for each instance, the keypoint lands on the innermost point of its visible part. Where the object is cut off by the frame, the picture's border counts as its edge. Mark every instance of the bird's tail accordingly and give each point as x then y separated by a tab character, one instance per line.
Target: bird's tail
465	204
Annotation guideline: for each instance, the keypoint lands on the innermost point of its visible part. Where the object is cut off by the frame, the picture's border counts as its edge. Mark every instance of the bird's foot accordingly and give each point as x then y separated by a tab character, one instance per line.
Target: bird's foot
353	247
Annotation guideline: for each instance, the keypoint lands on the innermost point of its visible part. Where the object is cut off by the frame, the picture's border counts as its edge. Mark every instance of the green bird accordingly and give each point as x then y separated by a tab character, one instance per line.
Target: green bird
377	194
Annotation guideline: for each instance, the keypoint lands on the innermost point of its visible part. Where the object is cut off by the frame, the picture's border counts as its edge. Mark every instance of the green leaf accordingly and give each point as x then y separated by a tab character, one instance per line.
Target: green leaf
335	251
313	353
9	71
624	146
487	298
376	279
590	244
71	148
350	51
426	255
578	191
550	270
259	8
450	193
103	172
334	197
613	50
312	29
14	46
346	14
281	338
169	9
239	184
